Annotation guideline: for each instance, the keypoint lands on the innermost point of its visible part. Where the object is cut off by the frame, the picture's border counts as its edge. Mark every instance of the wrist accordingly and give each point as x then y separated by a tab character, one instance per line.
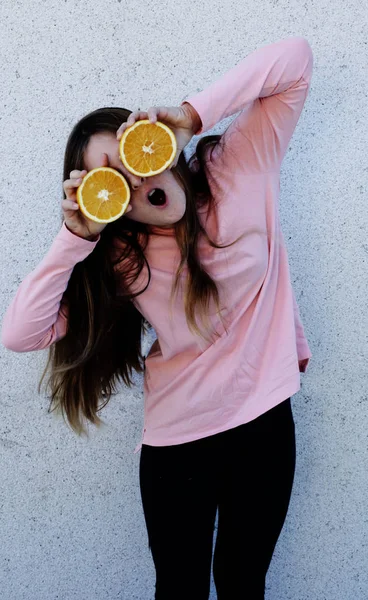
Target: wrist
89	238
194	117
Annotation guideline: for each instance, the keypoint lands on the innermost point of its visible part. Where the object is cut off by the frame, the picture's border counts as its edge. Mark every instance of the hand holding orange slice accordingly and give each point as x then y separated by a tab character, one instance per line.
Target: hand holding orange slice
103	195
147	149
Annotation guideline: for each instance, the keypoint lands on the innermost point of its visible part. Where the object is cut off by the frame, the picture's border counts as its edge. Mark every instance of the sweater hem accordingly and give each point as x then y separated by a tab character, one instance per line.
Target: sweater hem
282	394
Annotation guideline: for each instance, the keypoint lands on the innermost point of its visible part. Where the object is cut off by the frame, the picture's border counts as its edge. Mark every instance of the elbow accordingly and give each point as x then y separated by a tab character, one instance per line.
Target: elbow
21	342
8	337
6	340
301	43
9	345
305	52
15	341
10	342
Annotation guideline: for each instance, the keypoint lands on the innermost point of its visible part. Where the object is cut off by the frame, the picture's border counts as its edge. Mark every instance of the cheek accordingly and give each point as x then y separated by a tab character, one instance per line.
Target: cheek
181	207
176	203
137	214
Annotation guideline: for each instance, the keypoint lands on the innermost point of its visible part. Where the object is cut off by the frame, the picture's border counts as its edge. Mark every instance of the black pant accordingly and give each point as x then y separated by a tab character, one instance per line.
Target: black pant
247	474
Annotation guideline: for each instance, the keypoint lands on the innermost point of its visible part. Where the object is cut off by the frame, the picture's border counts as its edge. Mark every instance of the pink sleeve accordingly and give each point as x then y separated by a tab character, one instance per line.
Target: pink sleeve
269	86
35	319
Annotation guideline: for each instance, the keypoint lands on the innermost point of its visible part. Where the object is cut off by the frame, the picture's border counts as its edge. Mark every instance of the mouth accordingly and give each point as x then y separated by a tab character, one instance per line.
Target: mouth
157	197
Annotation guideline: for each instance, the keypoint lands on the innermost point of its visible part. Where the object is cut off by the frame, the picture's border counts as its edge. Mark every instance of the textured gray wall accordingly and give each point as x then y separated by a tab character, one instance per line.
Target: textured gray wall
71	520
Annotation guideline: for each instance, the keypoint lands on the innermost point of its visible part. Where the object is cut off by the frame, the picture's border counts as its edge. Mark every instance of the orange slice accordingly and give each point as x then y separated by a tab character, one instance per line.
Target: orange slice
147	149
103	195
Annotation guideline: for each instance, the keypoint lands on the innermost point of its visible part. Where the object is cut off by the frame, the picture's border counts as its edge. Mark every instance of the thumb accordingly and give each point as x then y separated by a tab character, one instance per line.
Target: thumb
175	161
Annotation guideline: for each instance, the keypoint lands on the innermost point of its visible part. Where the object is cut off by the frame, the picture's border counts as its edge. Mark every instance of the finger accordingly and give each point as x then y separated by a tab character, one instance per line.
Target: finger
152	114
163	113
76	174
137	115
70	186
122	128
69	205
129	208
120	131
175	161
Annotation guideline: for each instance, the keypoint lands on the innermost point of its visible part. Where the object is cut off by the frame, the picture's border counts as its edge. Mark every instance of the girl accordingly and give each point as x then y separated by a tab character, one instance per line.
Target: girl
199	256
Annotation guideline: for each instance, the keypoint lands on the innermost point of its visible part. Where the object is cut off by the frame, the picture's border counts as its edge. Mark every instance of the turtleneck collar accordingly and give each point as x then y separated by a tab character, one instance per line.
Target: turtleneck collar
156	230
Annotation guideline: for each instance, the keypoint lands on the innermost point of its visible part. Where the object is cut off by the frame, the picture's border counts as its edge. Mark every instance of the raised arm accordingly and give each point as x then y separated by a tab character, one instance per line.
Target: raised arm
37	317
269	87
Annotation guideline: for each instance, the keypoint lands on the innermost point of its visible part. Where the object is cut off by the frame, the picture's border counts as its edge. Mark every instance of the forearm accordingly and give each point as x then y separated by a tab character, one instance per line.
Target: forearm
269	70
32	320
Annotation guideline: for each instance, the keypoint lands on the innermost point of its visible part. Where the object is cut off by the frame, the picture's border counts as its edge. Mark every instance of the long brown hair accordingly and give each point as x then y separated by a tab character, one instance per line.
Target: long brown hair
102	344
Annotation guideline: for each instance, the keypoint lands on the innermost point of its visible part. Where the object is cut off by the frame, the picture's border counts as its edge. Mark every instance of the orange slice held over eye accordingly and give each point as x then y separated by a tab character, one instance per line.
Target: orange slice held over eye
147	149
103	195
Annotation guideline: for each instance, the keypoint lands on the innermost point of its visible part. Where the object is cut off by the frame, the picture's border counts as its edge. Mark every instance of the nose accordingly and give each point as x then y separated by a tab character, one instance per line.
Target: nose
134	180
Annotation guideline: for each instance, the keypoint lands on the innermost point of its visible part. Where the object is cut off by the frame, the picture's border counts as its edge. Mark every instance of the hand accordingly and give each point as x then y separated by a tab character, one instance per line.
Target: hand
75	220
302	365
183	120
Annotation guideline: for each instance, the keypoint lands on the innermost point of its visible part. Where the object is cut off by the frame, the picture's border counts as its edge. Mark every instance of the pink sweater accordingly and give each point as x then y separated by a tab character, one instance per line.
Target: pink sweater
195	388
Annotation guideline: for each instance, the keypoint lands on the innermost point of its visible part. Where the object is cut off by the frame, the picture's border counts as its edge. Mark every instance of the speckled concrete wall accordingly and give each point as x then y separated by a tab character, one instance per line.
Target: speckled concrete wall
71	520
